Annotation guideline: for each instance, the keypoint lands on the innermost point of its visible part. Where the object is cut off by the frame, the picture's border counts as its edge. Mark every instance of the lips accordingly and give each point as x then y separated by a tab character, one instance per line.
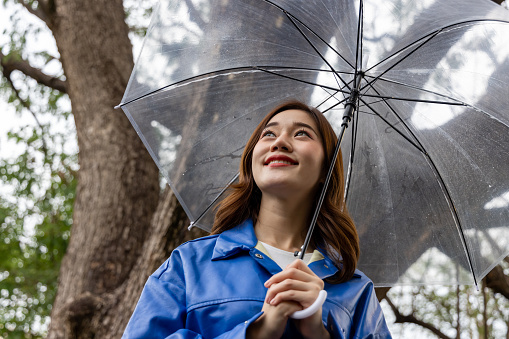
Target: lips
280	160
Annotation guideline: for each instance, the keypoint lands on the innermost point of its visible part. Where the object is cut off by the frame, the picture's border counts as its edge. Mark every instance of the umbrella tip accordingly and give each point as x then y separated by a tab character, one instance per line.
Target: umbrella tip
117	107
191	226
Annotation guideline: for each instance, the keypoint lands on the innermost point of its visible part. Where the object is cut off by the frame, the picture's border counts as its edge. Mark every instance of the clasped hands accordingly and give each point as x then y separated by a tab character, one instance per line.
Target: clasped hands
293	289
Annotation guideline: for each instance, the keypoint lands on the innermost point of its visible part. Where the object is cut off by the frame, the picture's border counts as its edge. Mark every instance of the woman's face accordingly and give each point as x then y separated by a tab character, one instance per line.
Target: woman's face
288	157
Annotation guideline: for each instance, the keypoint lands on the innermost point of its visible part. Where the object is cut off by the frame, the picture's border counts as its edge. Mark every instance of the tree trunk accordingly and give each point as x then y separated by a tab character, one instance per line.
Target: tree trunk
118	188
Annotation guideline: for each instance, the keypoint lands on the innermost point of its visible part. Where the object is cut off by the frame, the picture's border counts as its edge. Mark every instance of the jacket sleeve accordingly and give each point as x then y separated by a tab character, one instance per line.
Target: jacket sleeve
161	310
366	322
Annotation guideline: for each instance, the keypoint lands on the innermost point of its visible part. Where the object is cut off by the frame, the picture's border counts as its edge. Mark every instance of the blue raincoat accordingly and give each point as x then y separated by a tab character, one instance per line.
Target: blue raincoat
212	287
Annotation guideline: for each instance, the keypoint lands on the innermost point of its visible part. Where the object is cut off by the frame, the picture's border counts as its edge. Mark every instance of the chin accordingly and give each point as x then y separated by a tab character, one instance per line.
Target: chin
285	189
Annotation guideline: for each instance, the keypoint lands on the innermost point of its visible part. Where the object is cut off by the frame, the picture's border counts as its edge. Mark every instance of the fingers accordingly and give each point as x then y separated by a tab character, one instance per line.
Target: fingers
299	264
295	283
297	270
286	285
291	291
283	310
289	273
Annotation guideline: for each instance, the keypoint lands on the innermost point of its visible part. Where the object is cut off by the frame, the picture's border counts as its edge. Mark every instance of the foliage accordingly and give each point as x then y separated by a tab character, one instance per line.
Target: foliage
38	189
441	307
35	225
38	183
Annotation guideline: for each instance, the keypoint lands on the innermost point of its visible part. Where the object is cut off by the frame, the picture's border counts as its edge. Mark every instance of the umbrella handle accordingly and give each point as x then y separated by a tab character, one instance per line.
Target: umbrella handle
311	309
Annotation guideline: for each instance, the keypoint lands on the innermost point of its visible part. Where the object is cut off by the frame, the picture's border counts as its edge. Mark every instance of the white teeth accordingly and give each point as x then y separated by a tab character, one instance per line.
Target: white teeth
280	162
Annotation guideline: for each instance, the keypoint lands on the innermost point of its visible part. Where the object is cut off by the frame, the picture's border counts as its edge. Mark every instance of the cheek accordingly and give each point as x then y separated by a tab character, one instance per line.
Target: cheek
256	160
256	155
319	160
316	156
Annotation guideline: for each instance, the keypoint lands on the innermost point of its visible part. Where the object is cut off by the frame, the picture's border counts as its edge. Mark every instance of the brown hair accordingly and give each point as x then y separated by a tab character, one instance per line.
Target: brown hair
335	230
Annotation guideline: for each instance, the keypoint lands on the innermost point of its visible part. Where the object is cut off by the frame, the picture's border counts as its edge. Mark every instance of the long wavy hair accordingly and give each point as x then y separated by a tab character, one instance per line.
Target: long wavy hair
335	230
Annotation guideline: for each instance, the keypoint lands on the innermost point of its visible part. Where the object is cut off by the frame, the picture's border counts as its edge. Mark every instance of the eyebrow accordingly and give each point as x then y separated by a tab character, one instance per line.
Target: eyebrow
295	123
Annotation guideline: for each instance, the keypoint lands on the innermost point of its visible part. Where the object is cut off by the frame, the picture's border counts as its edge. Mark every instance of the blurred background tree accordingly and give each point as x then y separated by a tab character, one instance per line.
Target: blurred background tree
59	57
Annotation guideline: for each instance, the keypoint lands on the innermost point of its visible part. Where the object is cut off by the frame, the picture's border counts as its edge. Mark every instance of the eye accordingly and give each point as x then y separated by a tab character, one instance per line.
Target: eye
302	132
268	133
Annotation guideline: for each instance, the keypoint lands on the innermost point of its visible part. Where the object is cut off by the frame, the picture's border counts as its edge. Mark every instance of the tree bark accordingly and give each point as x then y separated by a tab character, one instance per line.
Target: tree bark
498	281
118	189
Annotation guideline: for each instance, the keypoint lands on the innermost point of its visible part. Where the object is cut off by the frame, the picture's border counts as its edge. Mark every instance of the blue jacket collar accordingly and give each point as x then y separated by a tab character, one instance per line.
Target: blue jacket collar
243	238
240	238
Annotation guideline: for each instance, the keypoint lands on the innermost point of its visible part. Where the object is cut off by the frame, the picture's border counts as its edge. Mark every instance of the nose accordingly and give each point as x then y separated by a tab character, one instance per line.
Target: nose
281	144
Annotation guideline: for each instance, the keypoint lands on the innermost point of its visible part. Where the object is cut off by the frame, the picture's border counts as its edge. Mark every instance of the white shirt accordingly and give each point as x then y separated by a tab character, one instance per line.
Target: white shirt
284	258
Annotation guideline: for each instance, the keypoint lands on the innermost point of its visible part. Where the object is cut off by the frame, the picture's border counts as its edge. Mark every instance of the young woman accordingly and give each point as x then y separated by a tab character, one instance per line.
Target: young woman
243	280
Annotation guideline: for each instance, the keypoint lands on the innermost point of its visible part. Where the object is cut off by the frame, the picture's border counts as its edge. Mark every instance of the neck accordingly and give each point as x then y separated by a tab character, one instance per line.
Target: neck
283	223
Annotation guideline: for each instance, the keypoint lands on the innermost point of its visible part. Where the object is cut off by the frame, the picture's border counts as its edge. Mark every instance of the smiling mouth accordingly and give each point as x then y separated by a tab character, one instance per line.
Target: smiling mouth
280	162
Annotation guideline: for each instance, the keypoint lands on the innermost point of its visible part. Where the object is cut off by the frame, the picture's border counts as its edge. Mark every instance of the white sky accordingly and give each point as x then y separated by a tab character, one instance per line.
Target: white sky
8	117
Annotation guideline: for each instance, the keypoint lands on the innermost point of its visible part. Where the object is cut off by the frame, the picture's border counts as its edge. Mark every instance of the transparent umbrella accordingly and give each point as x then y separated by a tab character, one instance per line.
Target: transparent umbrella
423	86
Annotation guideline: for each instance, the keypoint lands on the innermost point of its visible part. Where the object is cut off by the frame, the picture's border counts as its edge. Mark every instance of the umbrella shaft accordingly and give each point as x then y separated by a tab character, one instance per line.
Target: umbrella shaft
350	107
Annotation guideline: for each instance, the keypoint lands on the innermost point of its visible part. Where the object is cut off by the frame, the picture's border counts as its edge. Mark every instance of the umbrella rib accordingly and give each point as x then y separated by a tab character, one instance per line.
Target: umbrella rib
457	102
292	19
401	60
300	80
417	88
432	34
427	36
336	104
190	79
327	99
331	96
418	147
235	177
290	16
442	184
225	71
358	49
384	97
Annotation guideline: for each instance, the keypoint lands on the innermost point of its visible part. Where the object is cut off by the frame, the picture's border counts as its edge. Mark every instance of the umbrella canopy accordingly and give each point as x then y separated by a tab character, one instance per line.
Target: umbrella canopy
427	151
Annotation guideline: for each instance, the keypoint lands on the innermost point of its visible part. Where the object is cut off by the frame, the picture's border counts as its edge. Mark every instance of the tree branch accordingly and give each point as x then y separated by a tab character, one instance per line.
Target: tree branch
498	281
381	292
38	12
400	318
9	65
25	104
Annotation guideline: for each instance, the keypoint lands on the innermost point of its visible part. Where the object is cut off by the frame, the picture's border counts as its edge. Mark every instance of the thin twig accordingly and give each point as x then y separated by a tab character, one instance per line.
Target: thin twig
400	318
10	64
26	105
38	12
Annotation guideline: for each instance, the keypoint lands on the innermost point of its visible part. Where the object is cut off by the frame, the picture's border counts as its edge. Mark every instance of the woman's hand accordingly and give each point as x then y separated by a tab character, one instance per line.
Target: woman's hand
272	323
293	289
